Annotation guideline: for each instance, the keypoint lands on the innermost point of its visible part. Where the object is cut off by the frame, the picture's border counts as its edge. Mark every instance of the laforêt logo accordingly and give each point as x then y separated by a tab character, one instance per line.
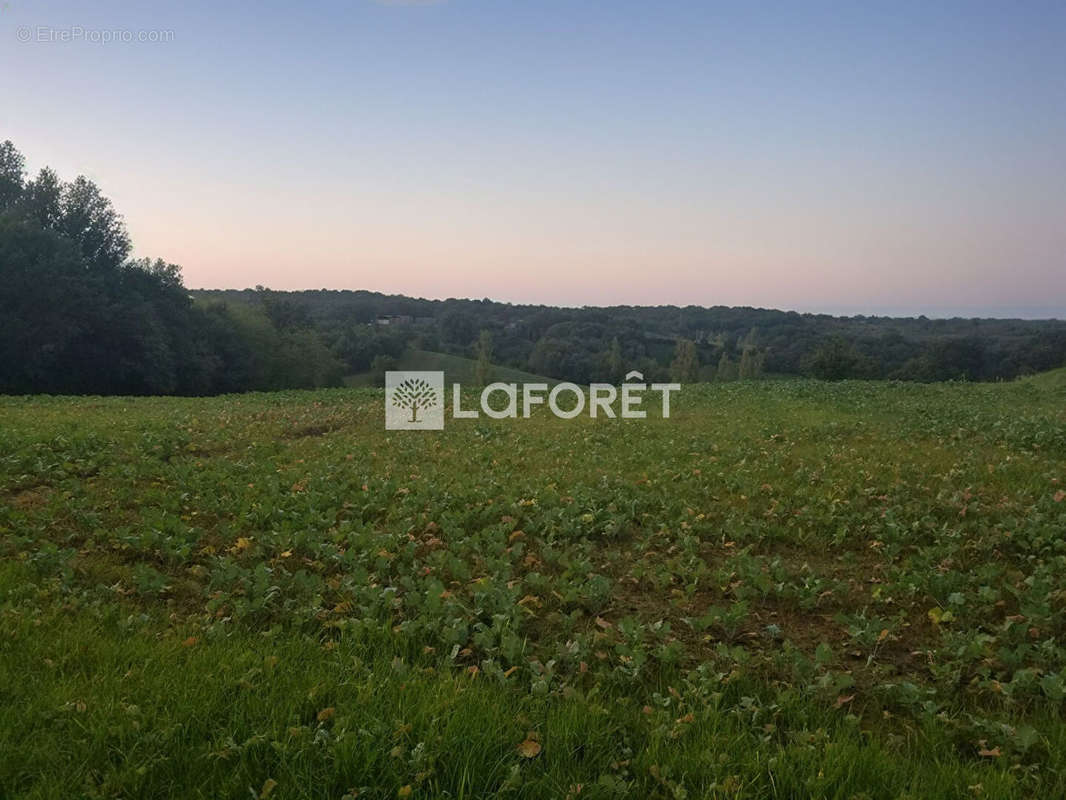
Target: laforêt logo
415	400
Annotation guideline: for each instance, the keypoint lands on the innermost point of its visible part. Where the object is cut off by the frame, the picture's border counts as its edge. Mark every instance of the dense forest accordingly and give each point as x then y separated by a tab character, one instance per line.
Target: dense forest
79	315
689	343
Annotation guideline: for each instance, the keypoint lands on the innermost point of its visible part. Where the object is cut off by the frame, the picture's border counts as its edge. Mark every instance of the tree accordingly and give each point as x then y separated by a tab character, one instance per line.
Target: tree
285	314
751	363
89	220
615	365
549	357
46	307
727	370
484	357
42	200
12	166
379	366
78	317
457	327
415	394
686	364
834	360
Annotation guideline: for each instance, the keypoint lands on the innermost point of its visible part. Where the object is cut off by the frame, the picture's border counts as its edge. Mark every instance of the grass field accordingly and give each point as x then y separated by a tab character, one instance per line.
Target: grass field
786	590
456	369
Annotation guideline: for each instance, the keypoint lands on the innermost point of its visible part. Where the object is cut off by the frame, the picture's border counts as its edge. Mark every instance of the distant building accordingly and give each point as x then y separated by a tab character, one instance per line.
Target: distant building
394	319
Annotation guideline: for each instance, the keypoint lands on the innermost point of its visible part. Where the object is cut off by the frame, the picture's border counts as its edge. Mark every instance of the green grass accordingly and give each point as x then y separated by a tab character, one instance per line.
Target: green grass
1051	380
456	370
786	590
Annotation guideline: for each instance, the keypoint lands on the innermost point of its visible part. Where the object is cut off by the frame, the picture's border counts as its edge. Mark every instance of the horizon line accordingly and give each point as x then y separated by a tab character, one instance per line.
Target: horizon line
1039	313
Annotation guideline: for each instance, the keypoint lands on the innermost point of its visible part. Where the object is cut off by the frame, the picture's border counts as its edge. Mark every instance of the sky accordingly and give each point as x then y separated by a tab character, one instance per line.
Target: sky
894	158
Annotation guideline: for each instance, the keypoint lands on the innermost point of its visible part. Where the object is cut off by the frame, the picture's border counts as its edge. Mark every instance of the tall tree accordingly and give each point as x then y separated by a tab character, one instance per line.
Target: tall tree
77	316
751	363
91	222
484	357
686	364
615	365
42	200
12	172
727	369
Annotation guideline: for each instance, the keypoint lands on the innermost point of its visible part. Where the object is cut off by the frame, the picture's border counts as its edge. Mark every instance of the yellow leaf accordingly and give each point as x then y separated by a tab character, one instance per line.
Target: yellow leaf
326	714
529	749
404	791
268	786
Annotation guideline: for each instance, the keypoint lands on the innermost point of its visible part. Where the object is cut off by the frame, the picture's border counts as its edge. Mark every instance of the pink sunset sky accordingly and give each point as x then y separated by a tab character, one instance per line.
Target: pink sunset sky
883	160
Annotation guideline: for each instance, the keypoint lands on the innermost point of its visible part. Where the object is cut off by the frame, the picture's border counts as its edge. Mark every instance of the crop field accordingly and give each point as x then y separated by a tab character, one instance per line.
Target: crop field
456	369
788	589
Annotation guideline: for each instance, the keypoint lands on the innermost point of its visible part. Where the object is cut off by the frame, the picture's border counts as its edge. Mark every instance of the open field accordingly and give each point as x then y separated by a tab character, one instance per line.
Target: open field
787	589
456	369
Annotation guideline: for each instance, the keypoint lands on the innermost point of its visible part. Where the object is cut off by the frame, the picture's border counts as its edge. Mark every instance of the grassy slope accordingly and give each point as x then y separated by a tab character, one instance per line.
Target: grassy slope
205	597
456	369
1051	380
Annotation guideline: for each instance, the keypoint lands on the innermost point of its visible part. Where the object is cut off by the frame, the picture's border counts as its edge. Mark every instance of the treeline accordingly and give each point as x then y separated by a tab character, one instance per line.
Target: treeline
79	316
689	343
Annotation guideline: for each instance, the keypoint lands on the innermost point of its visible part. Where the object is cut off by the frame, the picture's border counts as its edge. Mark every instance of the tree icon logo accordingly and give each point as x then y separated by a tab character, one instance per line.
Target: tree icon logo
414	400
415	393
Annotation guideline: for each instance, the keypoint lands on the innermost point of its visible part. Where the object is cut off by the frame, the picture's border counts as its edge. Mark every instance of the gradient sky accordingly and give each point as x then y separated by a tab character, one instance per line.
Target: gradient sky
842	157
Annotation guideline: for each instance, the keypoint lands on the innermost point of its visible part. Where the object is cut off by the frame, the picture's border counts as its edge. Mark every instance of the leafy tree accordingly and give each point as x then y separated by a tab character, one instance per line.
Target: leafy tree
727	369
12	171
549	357
46	307
458	327
751	363
284	313
615	364
835	360
88	219
42	200
686	364
77	316
380	365
484	357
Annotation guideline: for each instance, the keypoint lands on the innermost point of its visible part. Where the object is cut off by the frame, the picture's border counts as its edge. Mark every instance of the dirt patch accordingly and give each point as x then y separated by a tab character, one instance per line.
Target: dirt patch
29	499
316	429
